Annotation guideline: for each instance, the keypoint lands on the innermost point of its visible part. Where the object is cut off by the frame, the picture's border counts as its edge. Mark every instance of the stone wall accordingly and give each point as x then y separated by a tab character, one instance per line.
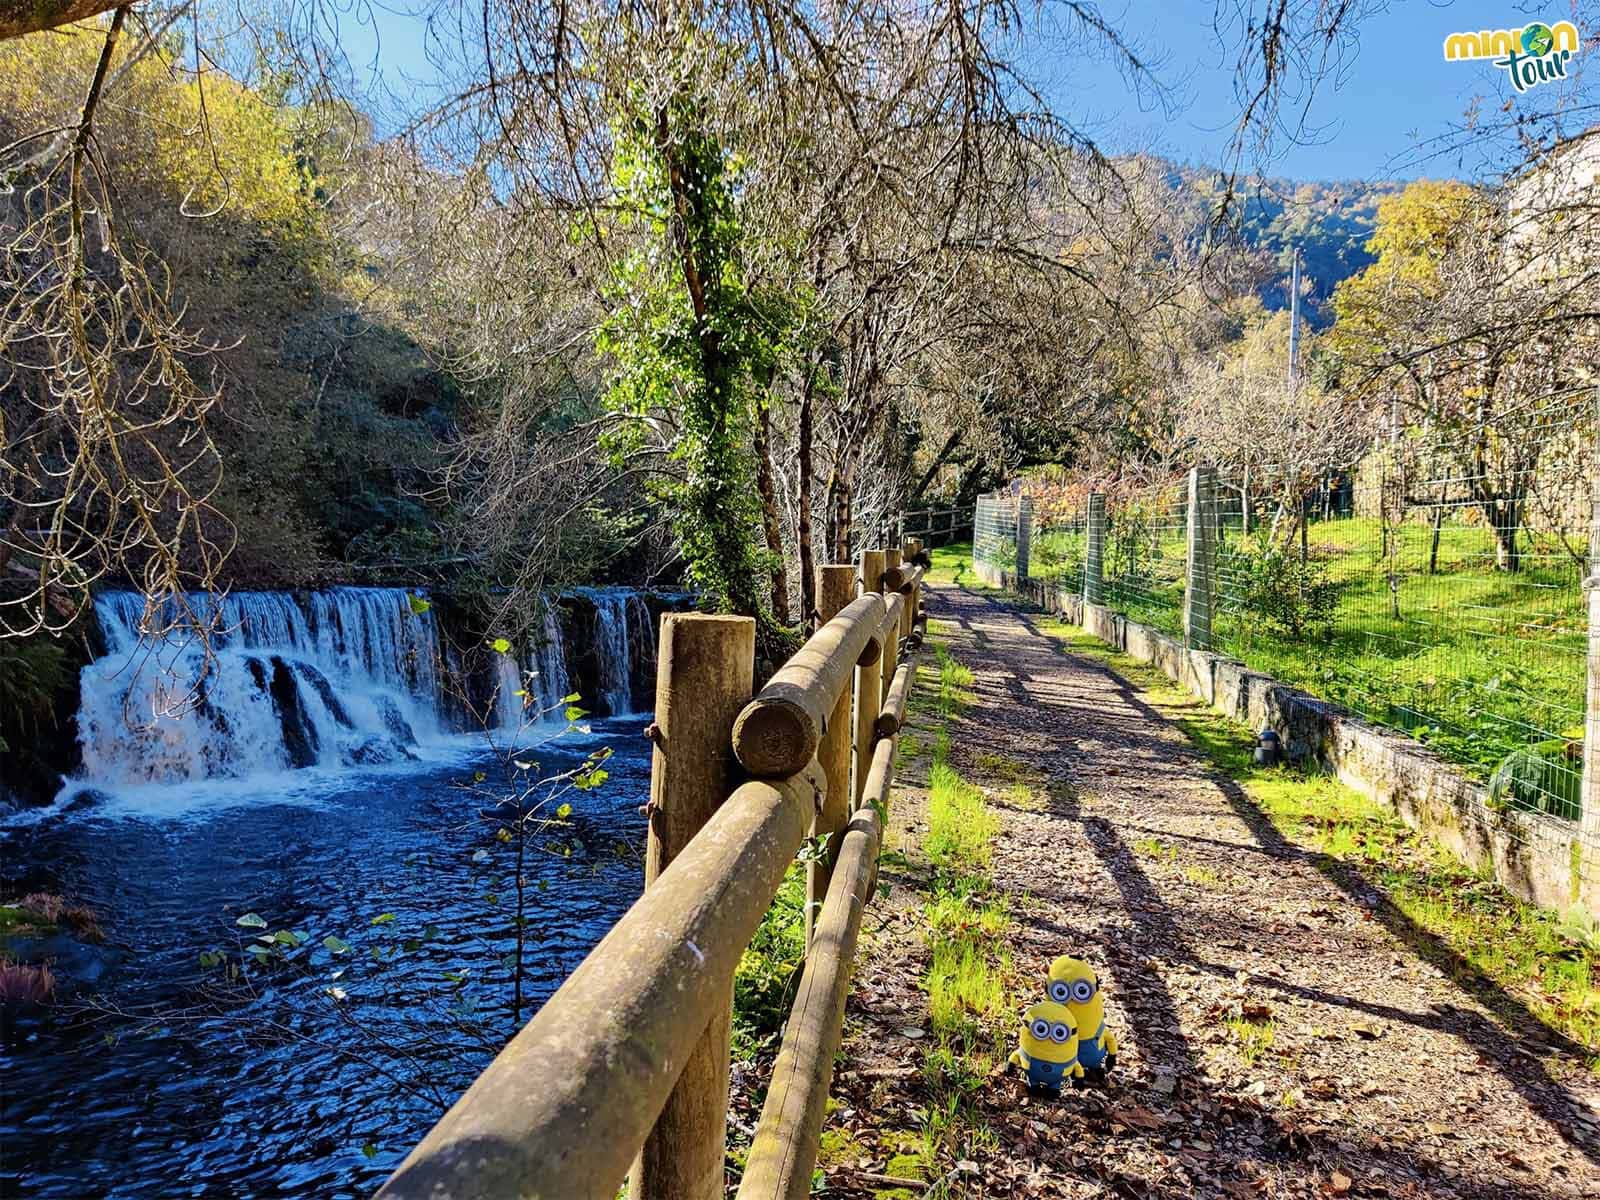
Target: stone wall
1535	856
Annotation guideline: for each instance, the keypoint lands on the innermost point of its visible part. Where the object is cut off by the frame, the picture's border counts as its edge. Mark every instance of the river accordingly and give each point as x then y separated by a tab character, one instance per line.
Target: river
310	1076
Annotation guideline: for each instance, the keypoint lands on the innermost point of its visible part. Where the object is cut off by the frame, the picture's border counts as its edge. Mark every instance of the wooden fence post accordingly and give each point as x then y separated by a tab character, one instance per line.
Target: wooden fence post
914	601
836	588
705	675
869	683
1589	821
1094	551
891	646
1200	594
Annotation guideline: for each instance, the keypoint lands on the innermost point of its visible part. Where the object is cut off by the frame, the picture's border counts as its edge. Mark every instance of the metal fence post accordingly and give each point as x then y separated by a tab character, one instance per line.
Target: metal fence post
1094	551
705	675
1024	534
1199	597
1589	828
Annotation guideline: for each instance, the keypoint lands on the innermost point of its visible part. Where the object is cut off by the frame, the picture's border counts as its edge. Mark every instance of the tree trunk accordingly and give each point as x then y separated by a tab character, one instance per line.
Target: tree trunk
1433	548
808	560
18	17
769	510
1506	517
939	460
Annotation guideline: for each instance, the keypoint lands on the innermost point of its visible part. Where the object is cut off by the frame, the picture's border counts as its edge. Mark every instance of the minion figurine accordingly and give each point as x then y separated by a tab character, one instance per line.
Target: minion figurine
1074	985
1049	1049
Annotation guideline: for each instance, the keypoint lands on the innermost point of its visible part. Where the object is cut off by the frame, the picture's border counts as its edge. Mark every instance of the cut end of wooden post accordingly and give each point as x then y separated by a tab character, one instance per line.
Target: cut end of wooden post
774	737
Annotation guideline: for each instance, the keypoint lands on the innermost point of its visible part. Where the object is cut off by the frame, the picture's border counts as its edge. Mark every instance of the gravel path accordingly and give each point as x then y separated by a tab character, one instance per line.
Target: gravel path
1383	1077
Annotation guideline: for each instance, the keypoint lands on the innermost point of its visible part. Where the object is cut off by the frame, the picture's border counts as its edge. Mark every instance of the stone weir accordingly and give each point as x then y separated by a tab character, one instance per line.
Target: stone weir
343	676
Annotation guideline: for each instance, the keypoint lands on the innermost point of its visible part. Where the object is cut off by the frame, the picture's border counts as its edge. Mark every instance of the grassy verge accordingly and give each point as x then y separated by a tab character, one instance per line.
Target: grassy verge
1513	954
769	972
969	973
953	564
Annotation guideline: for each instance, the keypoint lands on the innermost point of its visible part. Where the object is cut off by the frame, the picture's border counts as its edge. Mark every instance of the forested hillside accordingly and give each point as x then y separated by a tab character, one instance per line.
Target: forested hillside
1330	222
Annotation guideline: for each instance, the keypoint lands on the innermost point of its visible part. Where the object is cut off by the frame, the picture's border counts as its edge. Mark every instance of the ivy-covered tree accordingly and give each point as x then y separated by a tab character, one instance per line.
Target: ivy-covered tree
692	349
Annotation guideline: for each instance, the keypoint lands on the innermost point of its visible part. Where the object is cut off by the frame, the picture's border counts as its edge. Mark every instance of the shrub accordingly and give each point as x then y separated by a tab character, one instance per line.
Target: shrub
23	984
1293	597
1546	777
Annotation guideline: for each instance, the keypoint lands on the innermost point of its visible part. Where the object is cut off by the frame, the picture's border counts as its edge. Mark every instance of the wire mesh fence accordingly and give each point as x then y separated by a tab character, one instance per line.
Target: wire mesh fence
994	534
1146	548
1058	542
1446	605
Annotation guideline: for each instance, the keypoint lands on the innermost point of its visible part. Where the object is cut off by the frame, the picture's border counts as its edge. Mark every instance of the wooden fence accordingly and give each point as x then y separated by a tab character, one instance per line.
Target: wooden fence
624	1071
937	526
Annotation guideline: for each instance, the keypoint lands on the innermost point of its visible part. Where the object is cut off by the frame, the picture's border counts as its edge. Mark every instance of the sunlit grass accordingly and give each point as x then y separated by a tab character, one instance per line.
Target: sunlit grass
953	564
1251	1038
1472	660
961	828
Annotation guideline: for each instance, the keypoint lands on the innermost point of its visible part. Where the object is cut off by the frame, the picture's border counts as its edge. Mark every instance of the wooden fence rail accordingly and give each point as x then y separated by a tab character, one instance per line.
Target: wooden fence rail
623	1073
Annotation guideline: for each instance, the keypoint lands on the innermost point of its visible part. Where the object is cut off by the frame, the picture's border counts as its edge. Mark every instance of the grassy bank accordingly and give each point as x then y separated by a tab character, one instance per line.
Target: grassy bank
967	924
1432	641
1514	956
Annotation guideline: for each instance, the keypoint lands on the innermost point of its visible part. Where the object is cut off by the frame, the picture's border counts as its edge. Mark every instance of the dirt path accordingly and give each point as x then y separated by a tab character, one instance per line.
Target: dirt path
1382	1077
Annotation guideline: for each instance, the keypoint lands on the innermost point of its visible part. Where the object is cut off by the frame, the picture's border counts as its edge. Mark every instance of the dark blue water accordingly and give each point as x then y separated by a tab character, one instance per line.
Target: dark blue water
168	1079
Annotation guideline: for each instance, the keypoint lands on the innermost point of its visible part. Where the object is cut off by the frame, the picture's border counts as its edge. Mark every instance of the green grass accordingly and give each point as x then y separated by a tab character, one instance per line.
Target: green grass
961	826
1252	1038
769	970
1477	663
969	973
1514	955
953	564
1157	849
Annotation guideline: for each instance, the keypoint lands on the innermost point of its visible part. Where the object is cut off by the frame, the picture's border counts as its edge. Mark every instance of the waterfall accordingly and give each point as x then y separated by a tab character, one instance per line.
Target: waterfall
550	661
612	647
337	677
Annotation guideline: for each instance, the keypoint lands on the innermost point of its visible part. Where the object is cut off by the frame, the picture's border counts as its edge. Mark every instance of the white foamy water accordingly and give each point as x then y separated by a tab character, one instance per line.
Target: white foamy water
316	681
329	678
620	618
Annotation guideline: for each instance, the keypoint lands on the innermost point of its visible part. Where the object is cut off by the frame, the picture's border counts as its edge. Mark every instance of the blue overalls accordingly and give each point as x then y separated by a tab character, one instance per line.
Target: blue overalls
1043	1074
1092	1050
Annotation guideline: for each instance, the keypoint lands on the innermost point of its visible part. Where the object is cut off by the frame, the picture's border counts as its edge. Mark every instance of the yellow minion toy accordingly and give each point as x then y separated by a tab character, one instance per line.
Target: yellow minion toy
1074	984
1049	1049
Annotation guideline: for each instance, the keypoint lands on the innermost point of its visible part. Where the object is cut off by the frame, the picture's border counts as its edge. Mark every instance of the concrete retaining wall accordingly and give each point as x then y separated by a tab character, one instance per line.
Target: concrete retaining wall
1535	856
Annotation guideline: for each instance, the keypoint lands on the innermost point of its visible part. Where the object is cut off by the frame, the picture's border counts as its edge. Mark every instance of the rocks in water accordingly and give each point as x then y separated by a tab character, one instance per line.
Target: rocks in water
47	944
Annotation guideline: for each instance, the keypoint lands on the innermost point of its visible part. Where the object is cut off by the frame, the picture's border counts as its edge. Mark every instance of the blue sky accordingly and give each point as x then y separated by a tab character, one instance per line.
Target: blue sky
1364	122
1393	88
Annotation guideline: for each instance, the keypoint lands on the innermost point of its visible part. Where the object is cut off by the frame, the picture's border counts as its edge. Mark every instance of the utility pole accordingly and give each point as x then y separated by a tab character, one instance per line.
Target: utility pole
1294	319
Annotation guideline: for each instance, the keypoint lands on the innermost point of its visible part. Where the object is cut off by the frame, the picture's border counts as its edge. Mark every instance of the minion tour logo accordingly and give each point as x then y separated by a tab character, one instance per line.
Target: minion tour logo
1532	55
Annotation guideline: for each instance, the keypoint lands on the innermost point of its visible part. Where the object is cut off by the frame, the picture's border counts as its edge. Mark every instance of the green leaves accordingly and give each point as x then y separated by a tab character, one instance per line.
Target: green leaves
383	918
500	646
251	920
418	604
336	945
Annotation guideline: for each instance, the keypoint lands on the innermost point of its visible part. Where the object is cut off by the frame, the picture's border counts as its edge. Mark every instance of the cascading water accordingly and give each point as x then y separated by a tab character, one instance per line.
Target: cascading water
612	636
550	657
339	677
344	676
